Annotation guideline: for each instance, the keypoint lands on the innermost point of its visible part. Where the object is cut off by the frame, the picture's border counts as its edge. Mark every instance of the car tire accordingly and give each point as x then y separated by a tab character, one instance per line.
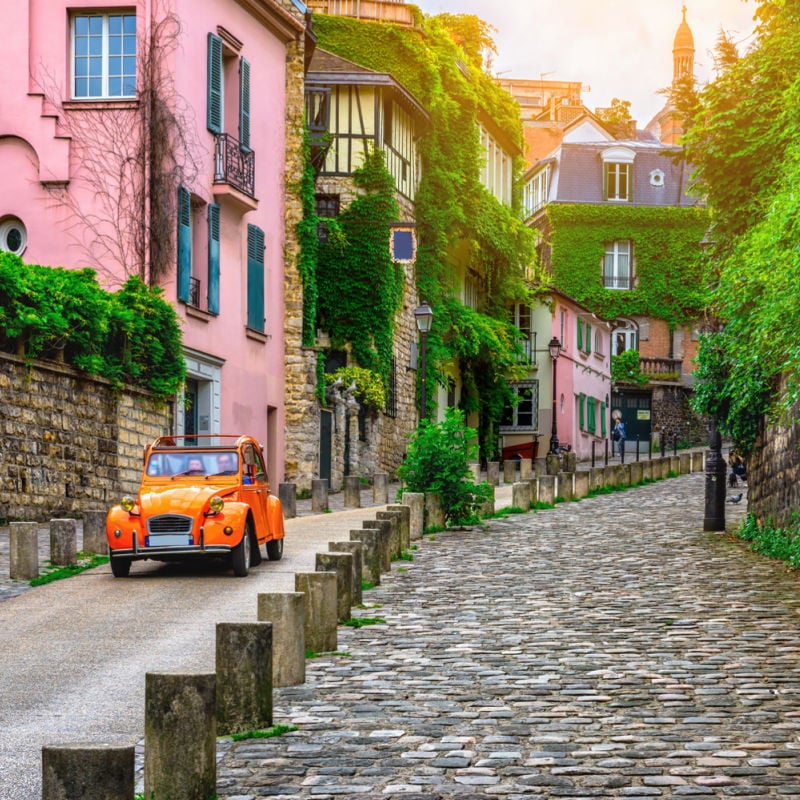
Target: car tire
120	567
275	549
240	555
255	552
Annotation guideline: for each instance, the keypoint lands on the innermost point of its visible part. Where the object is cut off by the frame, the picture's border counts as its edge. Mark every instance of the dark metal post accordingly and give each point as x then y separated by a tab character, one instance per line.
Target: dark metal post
554	425
663	438
605	463
423	405
621	448
674	444
637	446
593	444
716	469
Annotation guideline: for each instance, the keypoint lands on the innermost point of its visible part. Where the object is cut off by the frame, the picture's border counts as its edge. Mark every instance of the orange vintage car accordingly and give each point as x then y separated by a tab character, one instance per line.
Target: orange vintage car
200	496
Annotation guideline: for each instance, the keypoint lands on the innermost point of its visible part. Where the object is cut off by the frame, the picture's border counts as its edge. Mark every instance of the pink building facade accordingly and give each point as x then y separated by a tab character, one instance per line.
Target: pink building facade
149	138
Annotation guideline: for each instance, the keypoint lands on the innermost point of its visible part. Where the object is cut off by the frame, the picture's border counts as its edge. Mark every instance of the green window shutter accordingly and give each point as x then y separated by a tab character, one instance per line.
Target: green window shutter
184	245
581	404
213	258
580	335
603	419
244	103
588	337
214	112
255	278
591	424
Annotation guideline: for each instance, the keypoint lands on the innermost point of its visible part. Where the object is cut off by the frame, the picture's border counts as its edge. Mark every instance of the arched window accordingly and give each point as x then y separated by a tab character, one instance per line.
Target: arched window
625	336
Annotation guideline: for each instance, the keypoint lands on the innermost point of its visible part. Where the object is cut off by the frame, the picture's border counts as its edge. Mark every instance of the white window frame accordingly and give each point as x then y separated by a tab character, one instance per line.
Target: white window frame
613	277
515	427
536	191
104	56
628	331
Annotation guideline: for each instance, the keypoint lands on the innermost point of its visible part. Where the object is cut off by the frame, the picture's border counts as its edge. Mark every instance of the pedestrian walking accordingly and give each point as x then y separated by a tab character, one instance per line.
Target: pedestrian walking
618	436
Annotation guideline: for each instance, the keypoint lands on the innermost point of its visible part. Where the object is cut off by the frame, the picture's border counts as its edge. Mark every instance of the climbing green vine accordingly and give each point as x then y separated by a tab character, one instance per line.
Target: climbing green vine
309	245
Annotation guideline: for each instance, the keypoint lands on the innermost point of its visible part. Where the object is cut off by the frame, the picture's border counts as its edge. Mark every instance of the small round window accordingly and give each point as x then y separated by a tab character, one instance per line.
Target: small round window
656	178
13	236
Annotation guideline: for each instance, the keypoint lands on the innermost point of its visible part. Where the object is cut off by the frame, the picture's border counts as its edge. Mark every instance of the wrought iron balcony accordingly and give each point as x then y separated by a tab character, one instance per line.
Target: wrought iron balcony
619	281
234	164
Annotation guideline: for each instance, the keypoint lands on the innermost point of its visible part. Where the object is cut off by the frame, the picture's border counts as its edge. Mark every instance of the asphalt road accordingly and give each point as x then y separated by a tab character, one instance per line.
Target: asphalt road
75	652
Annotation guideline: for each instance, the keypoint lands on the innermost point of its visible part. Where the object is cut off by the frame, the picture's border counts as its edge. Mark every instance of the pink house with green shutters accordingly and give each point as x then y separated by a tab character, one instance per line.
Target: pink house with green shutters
150	138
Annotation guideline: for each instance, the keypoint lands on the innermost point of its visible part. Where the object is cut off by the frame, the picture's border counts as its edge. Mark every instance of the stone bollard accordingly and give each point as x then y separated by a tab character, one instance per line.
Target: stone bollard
416	523
404	524
525	469
521	495
63	542
434	510
320	621
89	771
341	564
697	462
675	464
356	549
352	491
547	489
23	551
597	477
636	471
180	735
493	473
685	463
571	462
552	464
565	488
286	612
384	528
371	563
94	533
380	488
287	494
610	475
393	519
244	677
509	470
319	495
647	470
534	482
665	466
624	474
582	480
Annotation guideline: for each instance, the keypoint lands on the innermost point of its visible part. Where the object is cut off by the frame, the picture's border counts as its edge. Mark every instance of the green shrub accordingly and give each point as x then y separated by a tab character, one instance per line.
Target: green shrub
780	543
438	461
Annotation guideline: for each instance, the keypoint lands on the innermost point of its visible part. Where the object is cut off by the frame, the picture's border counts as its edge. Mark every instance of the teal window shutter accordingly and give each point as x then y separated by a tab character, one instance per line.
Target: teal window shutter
591	424
603	419
255	278
184	245
244	103
588	337
213	258
580	335
214	113
581	404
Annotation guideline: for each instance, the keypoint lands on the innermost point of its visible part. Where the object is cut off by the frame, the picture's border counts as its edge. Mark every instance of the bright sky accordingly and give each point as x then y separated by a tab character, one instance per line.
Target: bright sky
620	48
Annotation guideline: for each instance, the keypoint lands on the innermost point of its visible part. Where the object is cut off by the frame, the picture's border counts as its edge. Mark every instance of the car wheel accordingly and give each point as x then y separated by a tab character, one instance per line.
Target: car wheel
255	553
275	549
240	556
120	567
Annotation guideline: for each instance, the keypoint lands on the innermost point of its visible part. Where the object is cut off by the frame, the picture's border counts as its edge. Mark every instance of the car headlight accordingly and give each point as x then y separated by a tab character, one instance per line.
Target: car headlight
127	503
216	504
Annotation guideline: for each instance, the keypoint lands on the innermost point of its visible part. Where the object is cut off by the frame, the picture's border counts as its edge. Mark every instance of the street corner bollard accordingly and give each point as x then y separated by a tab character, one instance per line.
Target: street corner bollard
286	612
434	510
321	618
404	524
63	542
384	528
636	471
475	469
582	482
356	549
342	565
597	477
244	677
372	554
493	473
416	522
23	551
94	532
509	470
525	469
547	489
647	470
88	771
521	495
685	463
180	735
394	530
287	494
319	495
352	491
380	488
697	462
565	488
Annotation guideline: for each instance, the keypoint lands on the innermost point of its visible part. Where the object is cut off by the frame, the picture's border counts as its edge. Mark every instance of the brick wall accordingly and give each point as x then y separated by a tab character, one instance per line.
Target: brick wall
68	443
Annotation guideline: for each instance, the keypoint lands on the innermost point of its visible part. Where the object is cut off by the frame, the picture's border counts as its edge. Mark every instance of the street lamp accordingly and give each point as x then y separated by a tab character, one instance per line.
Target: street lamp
424	319
554	347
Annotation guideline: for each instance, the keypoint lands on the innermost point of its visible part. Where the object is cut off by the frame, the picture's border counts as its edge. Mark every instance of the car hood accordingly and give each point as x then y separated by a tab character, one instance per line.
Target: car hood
177	499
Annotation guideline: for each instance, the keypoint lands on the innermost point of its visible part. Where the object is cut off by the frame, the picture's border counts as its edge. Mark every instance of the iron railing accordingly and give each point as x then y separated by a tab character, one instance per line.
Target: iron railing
618	281
234	164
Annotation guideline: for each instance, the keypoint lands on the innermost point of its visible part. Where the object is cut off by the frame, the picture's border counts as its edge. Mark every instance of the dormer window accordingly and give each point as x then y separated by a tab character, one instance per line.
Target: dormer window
618	174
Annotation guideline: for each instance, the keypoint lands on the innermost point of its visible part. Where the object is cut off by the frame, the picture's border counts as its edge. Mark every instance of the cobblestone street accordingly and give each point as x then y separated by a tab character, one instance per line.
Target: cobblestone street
605	648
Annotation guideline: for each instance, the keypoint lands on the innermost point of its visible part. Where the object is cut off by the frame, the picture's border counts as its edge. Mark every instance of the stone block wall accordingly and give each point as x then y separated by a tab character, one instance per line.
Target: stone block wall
69	443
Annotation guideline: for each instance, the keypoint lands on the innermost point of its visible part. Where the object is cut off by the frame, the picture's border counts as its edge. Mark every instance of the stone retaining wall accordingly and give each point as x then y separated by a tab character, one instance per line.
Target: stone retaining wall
69	443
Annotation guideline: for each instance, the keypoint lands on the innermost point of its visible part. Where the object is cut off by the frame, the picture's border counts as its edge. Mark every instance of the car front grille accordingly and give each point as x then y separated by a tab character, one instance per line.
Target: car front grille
169	523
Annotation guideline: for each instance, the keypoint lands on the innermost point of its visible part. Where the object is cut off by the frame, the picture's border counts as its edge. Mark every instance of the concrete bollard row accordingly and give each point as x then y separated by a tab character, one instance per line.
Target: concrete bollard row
341	565
434	510
352	491
525	469
493	473
63	542
509	470
94	533
380	488
319	495
371	554
384	529
416	505
88	771
393	518
320	609
356	549
547	489
287	494
286	611
404	524
521	495
23	551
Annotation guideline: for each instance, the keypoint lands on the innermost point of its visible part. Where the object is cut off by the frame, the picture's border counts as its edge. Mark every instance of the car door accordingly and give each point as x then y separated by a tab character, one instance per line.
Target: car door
255	488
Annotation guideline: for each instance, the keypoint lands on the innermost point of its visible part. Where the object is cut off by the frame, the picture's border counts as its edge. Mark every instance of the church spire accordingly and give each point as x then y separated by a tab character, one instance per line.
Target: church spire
683	50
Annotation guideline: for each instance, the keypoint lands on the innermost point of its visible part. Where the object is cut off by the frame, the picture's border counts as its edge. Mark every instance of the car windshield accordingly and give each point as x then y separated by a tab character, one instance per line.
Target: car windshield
178	464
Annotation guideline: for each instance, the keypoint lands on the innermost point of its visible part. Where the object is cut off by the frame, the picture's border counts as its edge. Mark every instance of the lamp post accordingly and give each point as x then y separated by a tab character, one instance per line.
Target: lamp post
716	469
424	319
554	347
